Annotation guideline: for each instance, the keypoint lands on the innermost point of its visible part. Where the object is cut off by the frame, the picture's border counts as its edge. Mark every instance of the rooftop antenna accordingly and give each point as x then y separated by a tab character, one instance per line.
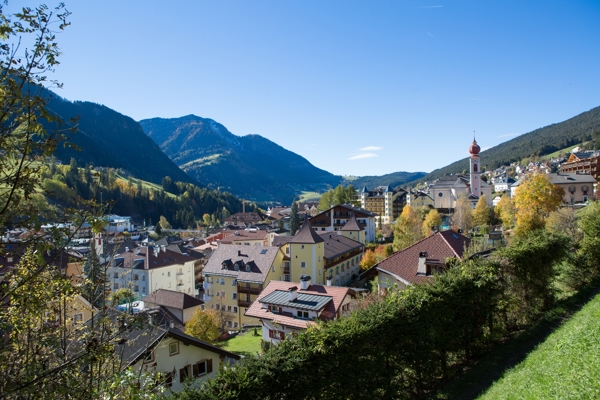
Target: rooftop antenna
474	136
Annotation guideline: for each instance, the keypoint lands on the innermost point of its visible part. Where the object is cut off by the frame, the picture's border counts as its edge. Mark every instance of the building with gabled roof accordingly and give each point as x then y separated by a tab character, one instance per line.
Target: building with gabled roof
145	269
286	308
419	262
384	201
235	275
335	218
182	305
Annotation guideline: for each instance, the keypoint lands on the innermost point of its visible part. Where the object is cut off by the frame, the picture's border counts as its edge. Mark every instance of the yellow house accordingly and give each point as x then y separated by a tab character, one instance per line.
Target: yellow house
235	275
335	255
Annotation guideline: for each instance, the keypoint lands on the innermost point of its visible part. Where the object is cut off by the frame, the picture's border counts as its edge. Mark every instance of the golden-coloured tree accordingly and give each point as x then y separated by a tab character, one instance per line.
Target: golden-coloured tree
204	325
432	220
463	214
535	199
481	213
408	228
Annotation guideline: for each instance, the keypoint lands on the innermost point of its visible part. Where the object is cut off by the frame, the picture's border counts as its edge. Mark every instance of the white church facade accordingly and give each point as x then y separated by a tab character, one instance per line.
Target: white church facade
447	189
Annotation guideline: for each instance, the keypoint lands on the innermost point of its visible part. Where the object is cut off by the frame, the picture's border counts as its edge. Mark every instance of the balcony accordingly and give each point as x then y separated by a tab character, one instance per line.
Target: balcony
286	270
206	285
249	290
207	298
244	303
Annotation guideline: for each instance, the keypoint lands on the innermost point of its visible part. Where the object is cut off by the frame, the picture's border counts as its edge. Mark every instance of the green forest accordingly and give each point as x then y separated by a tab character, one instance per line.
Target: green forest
181	203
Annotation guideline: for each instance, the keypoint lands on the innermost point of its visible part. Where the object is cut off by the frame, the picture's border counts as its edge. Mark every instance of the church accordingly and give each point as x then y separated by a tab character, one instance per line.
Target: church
447	189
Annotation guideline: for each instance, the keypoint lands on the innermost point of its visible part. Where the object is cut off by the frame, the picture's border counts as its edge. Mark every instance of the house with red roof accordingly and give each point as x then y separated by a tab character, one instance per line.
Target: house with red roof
287	308
420	262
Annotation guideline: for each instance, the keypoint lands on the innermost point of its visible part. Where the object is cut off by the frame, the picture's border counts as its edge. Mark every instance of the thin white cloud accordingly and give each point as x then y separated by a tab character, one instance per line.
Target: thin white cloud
476	99
431	35
508	135
364	155
371	148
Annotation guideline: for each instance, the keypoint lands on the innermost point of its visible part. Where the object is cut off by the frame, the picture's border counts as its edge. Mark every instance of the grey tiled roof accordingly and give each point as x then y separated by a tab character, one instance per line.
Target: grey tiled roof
224	259
303	301
306	234
338	244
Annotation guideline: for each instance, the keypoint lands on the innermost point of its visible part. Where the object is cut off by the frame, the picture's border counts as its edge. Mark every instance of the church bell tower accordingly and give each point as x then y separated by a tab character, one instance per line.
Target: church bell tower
475	171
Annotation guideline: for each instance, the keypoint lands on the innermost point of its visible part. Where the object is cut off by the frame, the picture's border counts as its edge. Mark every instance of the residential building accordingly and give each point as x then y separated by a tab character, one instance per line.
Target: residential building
244	219
587	162
503	183
417	199
324	255
578	187
116	223
419	263
235	275
286	308
145	269
336	217
181	305
384	201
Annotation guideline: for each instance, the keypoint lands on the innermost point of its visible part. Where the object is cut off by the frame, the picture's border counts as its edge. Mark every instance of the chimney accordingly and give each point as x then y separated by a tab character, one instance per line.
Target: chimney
422	269
304	282
163	248
147	258
293	293
126	249
329	280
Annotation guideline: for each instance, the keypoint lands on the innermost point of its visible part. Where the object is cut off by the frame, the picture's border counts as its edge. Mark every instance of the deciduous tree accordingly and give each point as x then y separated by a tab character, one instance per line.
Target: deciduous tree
408	228
432	220
463	214
536	197
203	325
482	212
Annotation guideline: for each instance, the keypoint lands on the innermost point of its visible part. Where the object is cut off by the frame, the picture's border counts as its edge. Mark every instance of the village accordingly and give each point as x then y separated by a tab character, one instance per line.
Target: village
278	271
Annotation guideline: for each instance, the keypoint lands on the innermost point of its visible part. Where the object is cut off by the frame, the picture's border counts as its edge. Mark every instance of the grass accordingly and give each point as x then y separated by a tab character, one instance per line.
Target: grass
483	373
145	184
309	196
565	366
243	344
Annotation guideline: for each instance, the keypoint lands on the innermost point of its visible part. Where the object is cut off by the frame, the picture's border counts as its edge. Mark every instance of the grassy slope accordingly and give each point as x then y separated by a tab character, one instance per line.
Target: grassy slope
310	196
243	344
566	365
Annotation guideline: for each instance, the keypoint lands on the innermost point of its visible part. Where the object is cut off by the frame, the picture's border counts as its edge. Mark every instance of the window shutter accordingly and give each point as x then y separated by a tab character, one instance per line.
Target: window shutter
209	366
281	335
195	372
182	375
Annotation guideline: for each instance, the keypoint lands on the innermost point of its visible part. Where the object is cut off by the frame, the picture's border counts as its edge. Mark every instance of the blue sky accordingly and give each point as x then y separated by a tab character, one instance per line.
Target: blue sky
356	87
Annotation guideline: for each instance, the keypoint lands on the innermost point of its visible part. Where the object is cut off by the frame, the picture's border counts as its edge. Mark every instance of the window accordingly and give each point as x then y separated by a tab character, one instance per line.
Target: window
169	273
229	324
222	293
78	318
273	334
169	379
143	277
233	282
440	194
149	357
235	309
228	308
184	373
302	246
143	289
303	264
235	324
222	281
173	348
217	307
302	314
136	277
136	288
116	286
234	296
202	367
116	275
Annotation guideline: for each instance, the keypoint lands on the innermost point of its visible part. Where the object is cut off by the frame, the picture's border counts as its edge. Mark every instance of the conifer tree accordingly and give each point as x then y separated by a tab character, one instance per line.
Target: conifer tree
294	219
